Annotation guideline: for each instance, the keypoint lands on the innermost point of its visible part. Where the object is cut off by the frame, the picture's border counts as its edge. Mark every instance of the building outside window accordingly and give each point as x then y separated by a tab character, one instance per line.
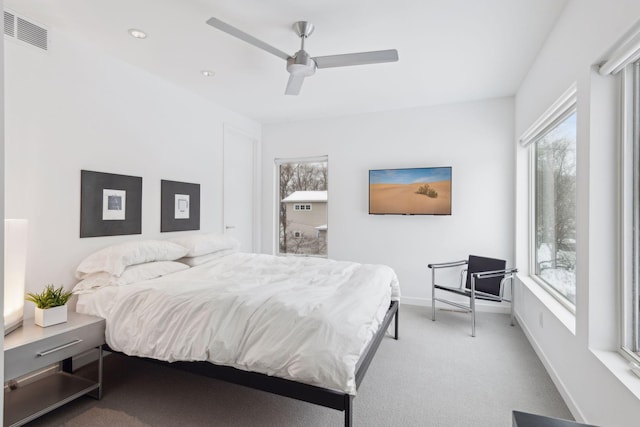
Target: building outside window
302	206
552	144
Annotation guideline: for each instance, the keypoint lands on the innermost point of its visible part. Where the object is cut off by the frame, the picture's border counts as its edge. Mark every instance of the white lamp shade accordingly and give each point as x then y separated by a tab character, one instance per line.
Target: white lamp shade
15	260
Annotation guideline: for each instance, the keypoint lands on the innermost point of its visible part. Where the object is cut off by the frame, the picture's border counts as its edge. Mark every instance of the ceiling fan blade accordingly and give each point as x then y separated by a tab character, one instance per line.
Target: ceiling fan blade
223	26
361	58
294	84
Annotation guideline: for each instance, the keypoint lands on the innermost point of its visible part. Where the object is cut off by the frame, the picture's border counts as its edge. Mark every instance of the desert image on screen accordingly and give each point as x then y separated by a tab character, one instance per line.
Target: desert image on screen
417	191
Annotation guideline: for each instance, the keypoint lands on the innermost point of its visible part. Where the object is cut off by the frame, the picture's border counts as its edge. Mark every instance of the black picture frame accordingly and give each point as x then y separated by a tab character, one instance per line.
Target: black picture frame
110	204
171	217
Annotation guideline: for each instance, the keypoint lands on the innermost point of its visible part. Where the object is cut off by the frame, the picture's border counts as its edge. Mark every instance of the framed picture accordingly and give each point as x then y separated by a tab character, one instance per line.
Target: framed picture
179	206
110	204
114	204
182	206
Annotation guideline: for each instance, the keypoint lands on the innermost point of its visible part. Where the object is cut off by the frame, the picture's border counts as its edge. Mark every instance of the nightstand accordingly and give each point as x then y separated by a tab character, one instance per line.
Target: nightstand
31	348
525	419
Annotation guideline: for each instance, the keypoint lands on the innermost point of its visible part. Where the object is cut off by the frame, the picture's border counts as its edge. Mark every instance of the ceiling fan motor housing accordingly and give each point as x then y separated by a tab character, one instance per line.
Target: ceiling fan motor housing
301	64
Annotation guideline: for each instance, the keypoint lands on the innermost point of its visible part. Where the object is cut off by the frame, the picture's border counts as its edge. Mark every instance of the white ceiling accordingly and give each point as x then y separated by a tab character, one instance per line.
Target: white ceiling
450	50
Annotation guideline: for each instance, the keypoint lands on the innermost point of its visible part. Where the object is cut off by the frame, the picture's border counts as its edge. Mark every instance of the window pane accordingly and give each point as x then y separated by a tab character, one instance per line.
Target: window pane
635	293
555	208
631	290
303	208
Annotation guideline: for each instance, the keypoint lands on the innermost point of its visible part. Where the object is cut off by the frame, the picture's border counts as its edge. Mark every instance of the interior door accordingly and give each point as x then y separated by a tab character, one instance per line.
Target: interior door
239	186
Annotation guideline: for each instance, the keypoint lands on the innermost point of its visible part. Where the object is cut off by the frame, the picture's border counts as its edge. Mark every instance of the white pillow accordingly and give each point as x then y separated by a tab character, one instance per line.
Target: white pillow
92	282
202	244
114	259
201	259
131	274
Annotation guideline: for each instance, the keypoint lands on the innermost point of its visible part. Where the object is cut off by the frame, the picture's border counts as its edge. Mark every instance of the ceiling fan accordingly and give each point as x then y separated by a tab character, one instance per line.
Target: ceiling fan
301	64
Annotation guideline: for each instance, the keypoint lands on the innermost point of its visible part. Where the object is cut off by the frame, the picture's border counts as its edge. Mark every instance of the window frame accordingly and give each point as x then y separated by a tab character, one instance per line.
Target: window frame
630	209
562	108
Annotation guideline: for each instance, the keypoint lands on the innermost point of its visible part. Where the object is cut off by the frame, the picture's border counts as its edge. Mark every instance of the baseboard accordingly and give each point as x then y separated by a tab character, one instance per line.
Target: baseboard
481	306
571	404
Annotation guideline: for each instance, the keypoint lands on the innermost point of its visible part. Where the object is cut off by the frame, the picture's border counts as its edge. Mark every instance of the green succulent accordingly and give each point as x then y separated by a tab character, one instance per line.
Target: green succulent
50	297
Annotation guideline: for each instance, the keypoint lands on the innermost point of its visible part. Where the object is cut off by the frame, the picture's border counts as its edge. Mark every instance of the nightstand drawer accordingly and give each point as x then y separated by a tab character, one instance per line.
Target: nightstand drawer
38	354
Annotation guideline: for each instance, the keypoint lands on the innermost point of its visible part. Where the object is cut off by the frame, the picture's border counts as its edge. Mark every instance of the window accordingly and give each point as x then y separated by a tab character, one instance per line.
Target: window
624	62
302	206
555	208
631	211
552	145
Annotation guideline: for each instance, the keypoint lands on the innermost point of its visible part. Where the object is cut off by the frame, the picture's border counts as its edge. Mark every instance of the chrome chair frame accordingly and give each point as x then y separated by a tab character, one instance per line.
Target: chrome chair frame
506	274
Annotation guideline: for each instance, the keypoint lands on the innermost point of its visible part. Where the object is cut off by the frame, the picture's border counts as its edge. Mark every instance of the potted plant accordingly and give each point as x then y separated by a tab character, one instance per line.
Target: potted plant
51	307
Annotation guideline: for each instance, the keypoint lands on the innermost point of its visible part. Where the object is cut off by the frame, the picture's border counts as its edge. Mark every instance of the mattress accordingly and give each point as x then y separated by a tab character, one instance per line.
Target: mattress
300	318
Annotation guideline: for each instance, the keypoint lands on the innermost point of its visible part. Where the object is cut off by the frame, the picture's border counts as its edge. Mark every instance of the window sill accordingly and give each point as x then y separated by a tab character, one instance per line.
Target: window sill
620	368
566	317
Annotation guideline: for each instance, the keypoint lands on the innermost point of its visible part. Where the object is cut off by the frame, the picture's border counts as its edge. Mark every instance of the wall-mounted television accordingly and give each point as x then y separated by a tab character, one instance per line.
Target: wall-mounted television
412	191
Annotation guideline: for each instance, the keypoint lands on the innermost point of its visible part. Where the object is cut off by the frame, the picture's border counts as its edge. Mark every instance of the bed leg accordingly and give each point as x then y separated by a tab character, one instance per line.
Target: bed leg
396	322
348	415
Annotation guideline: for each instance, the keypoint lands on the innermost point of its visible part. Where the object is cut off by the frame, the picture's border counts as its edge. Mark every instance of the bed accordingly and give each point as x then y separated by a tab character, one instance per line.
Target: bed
301	327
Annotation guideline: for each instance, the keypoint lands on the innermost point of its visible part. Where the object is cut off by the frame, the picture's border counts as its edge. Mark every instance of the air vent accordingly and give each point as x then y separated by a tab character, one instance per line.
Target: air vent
20	28
31	33
9	24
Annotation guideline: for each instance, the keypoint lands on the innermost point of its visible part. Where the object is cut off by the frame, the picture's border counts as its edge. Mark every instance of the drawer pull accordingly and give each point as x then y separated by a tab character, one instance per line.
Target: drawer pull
63	346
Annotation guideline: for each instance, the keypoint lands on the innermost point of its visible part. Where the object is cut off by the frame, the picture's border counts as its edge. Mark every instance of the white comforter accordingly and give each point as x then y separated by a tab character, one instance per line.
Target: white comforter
305	319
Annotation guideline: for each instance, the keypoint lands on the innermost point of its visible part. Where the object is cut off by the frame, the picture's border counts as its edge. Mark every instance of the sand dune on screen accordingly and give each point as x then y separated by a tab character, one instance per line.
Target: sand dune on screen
403	199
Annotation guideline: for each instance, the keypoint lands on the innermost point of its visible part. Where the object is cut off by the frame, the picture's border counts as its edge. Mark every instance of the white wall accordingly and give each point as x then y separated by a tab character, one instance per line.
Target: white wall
476	139
580	353
76	108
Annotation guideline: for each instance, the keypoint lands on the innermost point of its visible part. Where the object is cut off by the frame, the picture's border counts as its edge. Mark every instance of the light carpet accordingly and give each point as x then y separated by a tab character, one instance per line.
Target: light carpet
103	417
435	375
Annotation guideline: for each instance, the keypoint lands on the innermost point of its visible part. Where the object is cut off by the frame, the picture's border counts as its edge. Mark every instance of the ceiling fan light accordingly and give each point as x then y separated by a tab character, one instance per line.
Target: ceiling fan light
301	64
208	73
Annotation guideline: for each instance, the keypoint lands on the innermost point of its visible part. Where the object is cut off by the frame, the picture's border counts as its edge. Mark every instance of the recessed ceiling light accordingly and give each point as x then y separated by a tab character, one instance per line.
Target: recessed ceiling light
208	73
139	34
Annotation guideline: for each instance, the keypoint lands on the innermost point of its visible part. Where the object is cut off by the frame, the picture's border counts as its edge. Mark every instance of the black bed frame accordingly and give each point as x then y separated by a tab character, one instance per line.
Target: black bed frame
289	388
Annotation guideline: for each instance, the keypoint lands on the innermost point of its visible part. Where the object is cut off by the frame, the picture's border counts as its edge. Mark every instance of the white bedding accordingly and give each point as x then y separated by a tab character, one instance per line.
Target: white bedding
305	319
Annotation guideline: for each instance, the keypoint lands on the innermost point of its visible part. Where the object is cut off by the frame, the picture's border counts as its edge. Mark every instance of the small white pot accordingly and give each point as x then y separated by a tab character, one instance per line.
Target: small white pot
51	316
